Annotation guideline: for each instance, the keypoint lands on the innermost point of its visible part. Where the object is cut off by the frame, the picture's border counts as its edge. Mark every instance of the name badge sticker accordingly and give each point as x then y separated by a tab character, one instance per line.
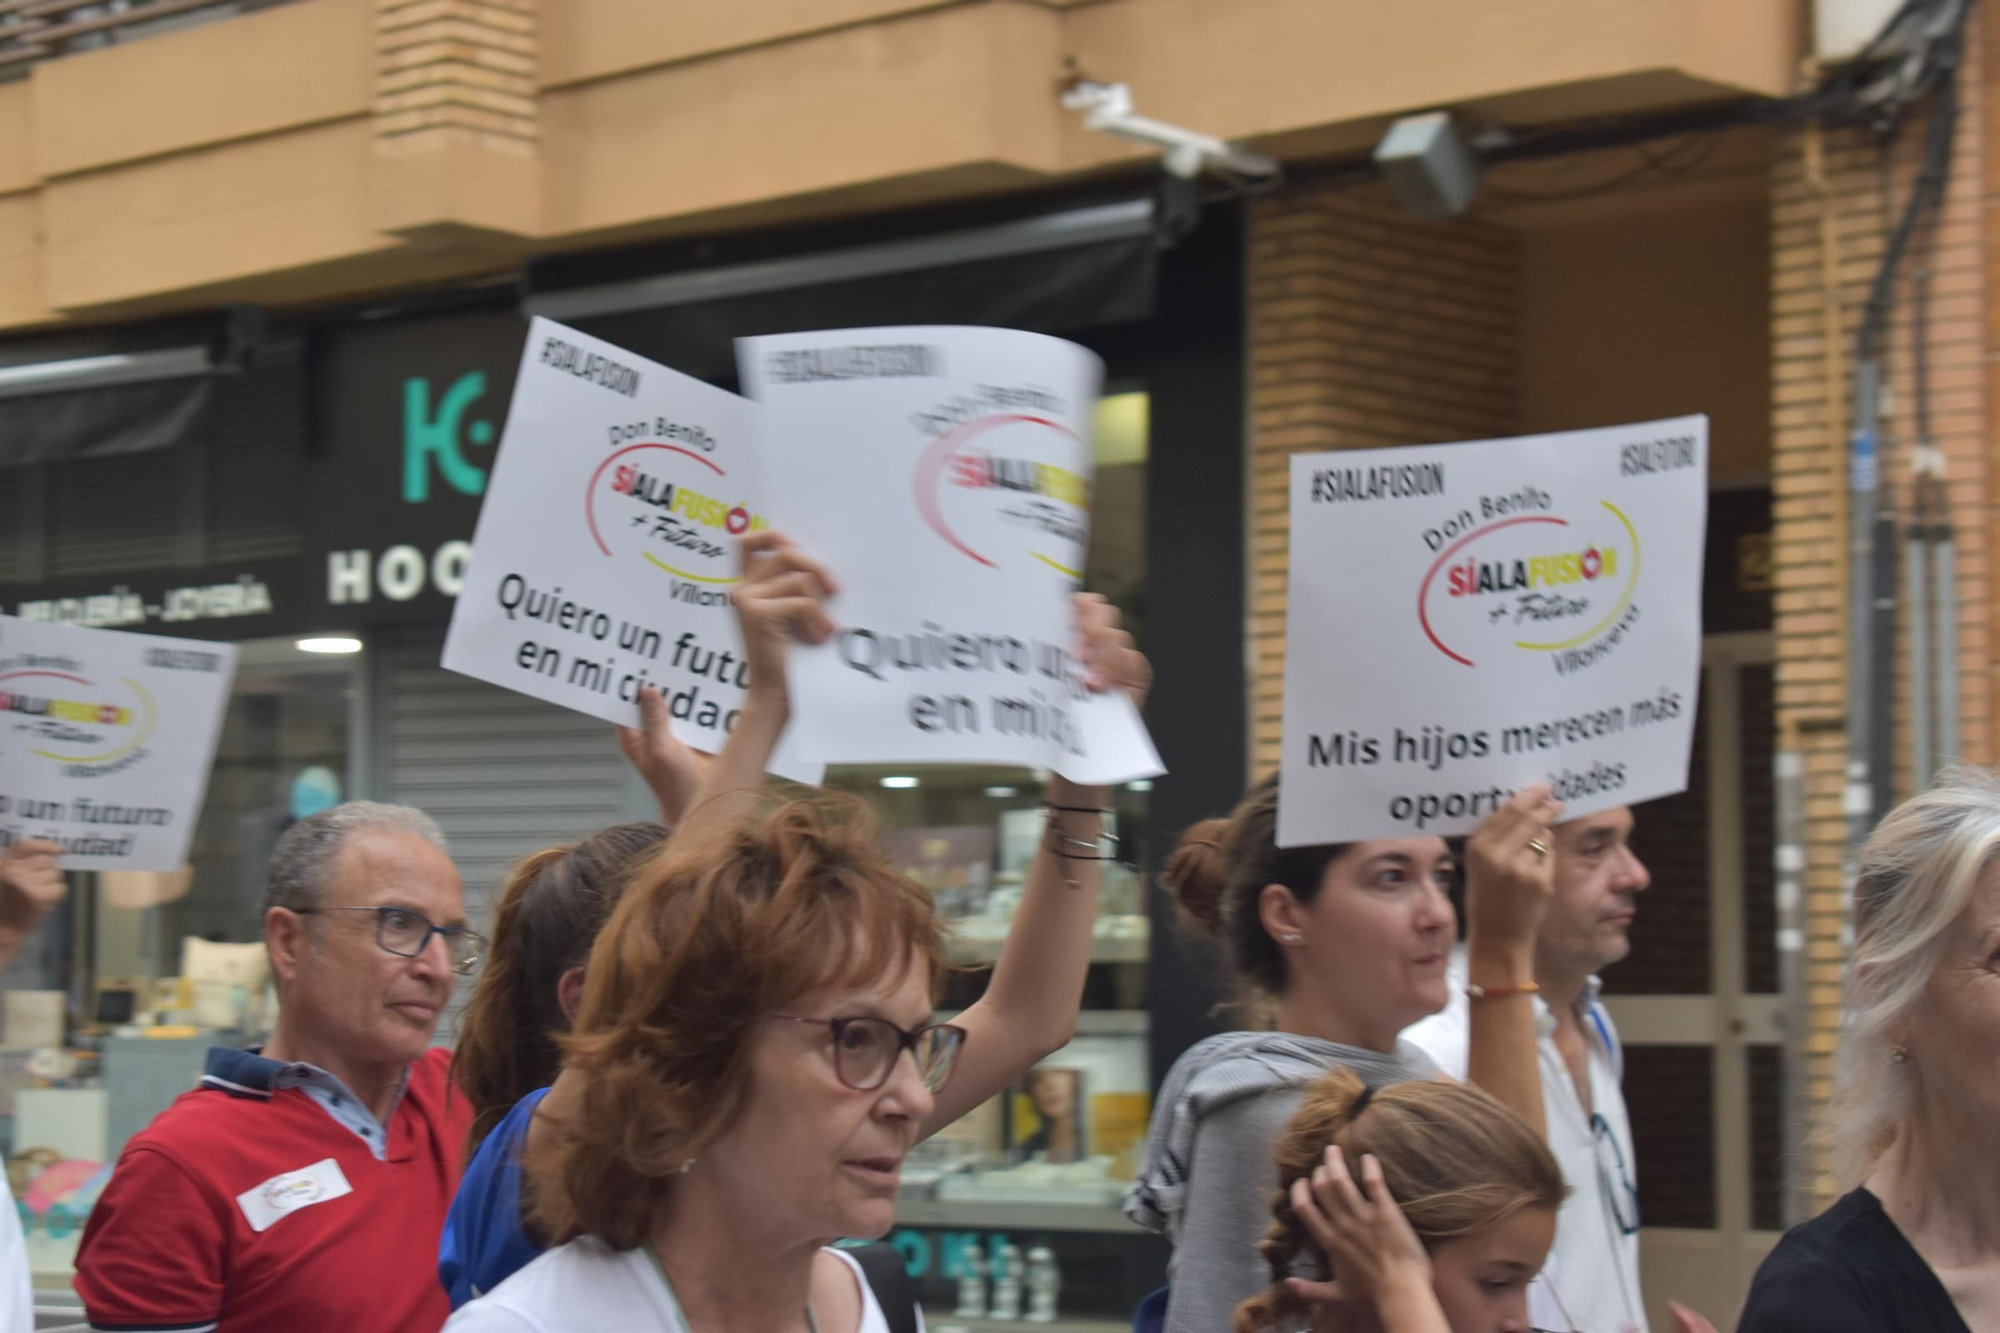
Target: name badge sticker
290	1191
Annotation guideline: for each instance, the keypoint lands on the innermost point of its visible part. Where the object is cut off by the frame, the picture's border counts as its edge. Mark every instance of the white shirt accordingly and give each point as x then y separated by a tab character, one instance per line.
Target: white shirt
585	1286
17	1289
1591	1280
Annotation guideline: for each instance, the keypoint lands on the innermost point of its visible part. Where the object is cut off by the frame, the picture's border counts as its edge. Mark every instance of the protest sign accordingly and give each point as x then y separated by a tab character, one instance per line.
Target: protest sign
106	740
605	550
943	475
1467	619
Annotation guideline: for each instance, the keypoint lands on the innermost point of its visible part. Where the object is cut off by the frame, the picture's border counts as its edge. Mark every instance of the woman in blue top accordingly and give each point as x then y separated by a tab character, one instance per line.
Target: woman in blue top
549	912
553	906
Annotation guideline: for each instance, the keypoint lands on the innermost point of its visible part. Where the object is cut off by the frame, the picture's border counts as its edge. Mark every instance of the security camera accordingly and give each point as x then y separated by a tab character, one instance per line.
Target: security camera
1185	152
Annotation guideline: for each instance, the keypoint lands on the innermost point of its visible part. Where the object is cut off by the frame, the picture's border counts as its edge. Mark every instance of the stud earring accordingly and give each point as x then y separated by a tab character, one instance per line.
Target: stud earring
1899	1055
686	1162
1293	937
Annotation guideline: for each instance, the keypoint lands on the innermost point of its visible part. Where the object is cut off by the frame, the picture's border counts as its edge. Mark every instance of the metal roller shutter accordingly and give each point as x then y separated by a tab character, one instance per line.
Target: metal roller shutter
504	775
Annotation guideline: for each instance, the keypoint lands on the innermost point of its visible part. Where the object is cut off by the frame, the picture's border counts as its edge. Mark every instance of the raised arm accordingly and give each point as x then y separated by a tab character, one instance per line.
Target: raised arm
780	598
1509	880
1031	1002
671	770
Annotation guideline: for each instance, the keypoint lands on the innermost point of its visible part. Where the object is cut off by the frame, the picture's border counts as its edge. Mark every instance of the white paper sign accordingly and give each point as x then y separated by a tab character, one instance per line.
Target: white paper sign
106	740
1466	619
943	474
606	547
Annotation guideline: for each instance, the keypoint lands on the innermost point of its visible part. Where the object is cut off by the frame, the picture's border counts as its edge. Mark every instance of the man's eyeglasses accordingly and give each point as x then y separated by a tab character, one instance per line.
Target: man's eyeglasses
407	934
865	1050
1619	1191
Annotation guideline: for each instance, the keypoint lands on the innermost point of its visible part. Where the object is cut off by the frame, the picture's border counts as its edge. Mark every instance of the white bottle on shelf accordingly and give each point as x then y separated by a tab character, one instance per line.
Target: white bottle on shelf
1007	1284
972	1285
1044	1280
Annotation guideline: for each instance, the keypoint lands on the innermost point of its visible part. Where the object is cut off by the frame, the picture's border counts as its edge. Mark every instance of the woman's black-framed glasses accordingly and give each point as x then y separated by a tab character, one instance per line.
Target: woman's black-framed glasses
407	934
865	1050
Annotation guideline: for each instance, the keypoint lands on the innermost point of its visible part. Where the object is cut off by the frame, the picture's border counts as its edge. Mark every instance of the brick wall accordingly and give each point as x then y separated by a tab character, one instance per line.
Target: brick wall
460	68
1829	223
1367	328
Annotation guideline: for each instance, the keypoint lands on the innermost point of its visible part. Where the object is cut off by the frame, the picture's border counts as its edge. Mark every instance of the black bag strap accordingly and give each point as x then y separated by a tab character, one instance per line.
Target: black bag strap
882	1265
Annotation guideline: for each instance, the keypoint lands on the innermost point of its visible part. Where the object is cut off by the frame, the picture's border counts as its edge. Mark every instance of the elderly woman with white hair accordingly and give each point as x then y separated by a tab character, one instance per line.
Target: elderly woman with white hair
1916	1119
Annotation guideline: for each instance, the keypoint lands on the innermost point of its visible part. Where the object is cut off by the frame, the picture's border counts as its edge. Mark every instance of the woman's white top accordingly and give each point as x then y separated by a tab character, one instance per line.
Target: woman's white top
584	1285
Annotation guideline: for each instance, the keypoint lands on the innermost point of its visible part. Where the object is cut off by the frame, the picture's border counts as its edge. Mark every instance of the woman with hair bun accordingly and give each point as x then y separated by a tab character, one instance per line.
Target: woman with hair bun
1336	949
1915	1243
1478	1193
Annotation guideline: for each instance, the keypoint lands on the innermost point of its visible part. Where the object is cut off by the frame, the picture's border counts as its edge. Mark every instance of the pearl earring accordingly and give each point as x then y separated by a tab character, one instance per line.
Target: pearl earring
1293	937
1899	1055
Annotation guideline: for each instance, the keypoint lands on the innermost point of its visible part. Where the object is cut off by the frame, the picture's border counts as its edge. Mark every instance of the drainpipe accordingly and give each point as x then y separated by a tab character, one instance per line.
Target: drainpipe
1944	573
1864	513
1789	792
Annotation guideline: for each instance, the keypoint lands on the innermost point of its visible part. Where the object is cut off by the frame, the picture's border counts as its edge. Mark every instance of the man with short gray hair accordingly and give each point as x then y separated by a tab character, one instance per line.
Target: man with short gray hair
304	1186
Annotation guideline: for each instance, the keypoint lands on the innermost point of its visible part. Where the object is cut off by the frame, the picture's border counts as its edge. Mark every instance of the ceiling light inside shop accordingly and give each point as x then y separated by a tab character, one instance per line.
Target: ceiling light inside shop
1002	793
899	783
331	644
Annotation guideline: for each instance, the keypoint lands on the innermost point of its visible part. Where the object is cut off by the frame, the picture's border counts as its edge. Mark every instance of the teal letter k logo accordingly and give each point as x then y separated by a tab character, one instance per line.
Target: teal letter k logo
427	438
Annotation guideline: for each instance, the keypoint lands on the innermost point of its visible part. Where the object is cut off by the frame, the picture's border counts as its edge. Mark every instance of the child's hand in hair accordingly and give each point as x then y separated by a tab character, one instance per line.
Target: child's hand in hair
1367	1240
780	598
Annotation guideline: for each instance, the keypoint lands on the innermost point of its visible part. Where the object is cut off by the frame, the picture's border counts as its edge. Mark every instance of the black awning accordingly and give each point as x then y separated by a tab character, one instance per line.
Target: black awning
96	423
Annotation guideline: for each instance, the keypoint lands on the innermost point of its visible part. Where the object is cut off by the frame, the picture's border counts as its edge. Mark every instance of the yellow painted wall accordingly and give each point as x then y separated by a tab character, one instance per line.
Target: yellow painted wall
592	39
259	74
253	156
254	206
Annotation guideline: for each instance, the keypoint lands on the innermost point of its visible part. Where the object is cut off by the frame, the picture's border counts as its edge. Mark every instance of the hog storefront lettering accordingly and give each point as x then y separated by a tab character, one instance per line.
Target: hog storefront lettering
1466	619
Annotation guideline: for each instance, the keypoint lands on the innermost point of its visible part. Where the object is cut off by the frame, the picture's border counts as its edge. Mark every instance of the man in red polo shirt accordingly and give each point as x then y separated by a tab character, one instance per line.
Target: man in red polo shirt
304	1187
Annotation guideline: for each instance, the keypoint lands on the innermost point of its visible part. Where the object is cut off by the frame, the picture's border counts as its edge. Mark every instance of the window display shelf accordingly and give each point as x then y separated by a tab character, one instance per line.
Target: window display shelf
943	1321
976	950
1027	1215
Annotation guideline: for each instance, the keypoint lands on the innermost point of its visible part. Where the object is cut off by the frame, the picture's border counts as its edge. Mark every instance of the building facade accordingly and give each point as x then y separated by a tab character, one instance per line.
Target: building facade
338	214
